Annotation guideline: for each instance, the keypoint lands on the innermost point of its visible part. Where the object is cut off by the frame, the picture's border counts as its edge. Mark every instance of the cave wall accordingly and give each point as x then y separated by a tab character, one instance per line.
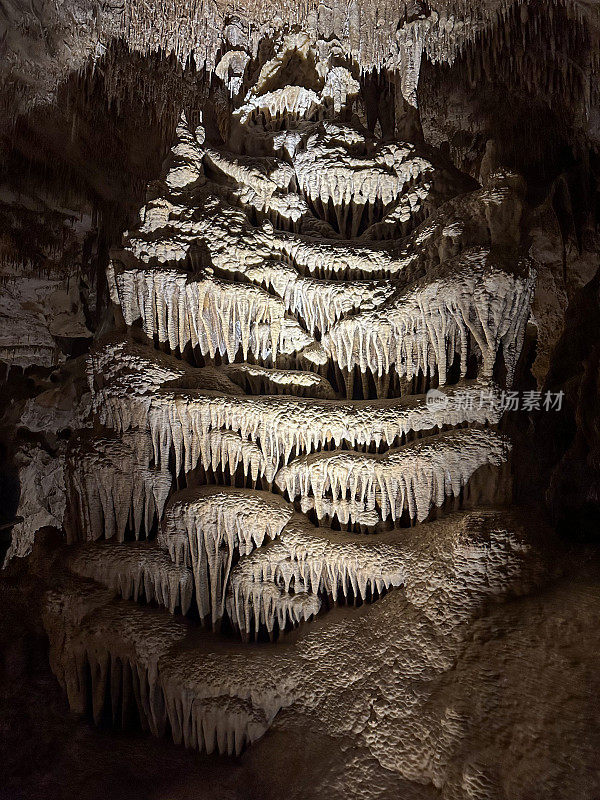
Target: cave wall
123	131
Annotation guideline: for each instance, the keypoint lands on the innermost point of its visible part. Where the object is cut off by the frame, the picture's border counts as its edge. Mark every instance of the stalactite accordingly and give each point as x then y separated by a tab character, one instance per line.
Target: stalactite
424	327
135	571
204	528
263	380
183	420
113	487
217	317
415	477
259	261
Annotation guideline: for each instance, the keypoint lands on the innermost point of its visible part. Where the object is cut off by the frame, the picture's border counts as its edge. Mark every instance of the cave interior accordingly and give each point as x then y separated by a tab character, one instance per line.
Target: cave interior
300	399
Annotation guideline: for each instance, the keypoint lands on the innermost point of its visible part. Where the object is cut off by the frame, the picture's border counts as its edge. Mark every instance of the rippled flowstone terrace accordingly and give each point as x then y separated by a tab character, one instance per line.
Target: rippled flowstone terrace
263	446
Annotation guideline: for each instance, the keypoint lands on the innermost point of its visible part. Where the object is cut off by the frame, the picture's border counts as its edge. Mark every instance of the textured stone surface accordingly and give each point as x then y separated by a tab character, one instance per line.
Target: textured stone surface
301	275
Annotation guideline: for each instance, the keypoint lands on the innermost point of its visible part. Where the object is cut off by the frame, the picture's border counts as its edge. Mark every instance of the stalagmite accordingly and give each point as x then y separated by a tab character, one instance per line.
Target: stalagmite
377	180
221	699
300	256
185	167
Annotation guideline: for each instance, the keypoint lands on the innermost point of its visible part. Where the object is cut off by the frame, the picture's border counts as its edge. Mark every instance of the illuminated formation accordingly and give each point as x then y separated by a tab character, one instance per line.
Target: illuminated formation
264	445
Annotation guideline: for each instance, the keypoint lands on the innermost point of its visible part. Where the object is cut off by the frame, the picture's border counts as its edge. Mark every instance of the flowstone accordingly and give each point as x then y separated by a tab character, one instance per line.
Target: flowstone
264	422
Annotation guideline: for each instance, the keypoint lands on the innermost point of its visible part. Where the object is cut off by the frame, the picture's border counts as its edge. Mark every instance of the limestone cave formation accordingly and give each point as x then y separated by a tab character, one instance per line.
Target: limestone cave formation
300	379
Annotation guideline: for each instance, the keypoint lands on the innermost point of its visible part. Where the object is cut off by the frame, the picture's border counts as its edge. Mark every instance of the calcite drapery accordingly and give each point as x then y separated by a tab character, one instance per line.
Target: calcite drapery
240	269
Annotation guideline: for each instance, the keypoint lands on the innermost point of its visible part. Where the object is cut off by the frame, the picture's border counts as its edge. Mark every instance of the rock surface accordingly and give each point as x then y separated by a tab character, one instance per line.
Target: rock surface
271	513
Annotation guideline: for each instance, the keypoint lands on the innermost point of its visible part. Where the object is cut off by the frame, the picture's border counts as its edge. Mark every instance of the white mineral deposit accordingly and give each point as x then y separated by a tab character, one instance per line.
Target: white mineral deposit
300	362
